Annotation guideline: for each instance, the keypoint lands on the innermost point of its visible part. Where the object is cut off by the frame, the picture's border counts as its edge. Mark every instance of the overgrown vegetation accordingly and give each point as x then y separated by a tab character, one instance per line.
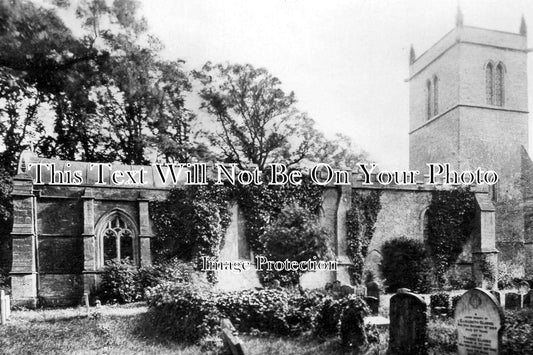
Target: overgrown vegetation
406	263
360	226
123	282
450	221
295	235
191	223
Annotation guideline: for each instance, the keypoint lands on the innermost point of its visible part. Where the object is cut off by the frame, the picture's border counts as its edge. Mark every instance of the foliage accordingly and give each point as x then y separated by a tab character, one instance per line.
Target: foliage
184	313
352	325
450	215
518	335
327	318
275	311
261	204
109	92
123	282
191	223
459	279
6	214
508	274
405	263
118	284
360	225
455	301
440	303
257	122
295	235
442	336
180	310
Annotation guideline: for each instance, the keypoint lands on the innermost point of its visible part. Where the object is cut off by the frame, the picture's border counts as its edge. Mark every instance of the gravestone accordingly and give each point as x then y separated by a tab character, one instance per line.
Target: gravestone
479	320
513	300
528	299
408	324
373	304
497	295
347	290
231	342
373	289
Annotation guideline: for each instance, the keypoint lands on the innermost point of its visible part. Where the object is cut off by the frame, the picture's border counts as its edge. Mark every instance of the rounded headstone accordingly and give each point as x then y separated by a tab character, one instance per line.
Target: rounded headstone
479	320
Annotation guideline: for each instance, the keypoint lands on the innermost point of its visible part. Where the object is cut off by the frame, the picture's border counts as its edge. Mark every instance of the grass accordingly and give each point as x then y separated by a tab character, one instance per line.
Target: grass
122	330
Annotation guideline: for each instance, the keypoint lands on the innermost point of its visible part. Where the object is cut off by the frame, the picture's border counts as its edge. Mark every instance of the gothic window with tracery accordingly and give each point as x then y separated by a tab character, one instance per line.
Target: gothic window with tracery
117	239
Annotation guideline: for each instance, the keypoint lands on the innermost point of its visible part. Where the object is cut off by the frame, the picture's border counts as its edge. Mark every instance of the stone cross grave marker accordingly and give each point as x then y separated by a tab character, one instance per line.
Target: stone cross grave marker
479	320
408	324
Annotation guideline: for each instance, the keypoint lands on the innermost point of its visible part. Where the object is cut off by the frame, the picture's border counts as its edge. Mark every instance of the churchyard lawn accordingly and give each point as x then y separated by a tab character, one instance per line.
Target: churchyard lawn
122	330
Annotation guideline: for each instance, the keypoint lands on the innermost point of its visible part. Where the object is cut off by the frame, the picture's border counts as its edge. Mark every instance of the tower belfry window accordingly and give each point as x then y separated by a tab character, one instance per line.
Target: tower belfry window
494	81
498	85
435	95
488	83
429	103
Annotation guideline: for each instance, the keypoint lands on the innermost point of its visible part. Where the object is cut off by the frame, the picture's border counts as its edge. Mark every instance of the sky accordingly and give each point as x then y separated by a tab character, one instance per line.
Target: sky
346	61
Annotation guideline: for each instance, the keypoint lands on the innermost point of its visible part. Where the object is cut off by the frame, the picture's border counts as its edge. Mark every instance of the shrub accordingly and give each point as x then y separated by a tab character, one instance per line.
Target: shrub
405	263
173	270
275	311
352	326
123	282
118	283
440	303
327	318
183	312
518	335
455	300
295	235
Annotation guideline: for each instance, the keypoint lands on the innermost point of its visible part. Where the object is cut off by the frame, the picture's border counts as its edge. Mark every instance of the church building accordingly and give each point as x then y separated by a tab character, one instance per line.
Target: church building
468	108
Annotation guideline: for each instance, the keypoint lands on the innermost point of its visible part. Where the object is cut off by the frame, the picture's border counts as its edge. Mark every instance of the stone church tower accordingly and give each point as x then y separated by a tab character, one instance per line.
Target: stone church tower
469	108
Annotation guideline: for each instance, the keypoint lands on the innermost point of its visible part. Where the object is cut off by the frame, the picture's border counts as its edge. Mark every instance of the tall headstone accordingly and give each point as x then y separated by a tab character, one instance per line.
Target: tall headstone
479	320
373	289
528	299
497	295
408	324
513	300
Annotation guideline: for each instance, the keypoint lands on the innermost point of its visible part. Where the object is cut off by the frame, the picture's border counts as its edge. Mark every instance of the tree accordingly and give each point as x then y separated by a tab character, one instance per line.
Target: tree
257	122
339	152
295	235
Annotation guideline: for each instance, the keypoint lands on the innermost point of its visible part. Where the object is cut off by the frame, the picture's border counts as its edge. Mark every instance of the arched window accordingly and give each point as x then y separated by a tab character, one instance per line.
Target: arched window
498	85
116	238
425	224
429	107
495	84
435	95
488	83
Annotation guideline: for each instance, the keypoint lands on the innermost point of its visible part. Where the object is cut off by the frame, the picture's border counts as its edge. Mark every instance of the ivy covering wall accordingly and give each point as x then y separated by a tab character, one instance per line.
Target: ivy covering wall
451	214
360	222
192	222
